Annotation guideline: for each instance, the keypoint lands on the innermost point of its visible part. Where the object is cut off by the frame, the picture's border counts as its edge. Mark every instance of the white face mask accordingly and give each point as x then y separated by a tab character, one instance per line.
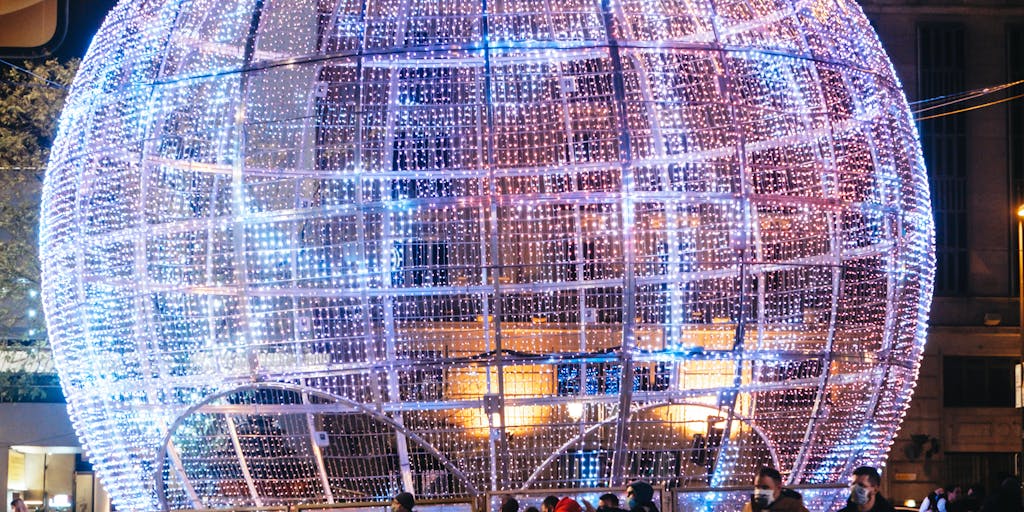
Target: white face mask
763	498
860	495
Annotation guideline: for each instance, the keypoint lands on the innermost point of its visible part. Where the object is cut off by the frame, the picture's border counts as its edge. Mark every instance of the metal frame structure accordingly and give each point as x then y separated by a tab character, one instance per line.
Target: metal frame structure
339	249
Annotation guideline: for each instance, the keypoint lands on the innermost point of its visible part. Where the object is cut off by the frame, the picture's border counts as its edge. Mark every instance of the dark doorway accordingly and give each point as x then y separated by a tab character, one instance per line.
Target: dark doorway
988	469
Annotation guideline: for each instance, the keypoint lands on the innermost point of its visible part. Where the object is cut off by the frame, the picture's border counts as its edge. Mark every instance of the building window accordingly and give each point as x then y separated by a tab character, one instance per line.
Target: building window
604	378
941	71
978	381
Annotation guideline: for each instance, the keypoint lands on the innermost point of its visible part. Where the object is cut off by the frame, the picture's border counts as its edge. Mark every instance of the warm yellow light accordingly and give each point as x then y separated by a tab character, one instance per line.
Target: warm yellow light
16	471
691	419
913	503
1020	211
575	410
529	380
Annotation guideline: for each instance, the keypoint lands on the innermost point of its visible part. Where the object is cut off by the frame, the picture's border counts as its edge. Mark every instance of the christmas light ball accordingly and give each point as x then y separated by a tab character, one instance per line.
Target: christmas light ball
326	251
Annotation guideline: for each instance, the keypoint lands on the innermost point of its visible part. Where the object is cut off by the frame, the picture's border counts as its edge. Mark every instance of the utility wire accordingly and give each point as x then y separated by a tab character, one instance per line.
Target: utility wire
975	107
972	93
960	97
28	85
43	78
948	103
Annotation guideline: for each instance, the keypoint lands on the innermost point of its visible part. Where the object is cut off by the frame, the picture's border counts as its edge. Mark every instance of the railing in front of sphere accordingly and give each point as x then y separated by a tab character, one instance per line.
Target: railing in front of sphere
678	499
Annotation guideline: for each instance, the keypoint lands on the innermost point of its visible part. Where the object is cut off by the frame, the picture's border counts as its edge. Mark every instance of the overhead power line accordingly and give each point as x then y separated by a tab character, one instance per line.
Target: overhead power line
960	97
972	92
975	107
43	78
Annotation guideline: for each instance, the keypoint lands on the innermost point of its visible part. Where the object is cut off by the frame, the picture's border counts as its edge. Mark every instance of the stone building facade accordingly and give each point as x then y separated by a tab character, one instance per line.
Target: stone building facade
962	425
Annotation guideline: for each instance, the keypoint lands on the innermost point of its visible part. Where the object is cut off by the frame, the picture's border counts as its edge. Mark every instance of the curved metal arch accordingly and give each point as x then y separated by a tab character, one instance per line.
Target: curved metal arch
161	455
568	444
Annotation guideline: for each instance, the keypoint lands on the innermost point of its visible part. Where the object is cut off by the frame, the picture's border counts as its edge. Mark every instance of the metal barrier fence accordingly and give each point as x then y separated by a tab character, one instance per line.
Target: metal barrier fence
452	505
731	499
534	497
680	499
235	509
688	499
449	505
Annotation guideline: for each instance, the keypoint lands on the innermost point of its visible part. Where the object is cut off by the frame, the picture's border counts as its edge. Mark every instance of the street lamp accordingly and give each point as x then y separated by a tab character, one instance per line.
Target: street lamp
1019	392
1020	271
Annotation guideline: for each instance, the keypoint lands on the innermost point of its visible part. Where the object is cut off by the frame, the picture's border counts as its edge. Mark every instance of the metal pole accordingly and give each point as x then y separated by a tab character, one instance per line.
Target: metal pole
1020	325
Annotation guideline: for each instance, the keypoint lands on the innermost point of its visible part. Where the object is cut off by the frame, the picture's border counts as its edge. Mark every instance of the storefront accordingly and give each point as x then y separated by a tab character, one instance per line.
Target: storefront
42	463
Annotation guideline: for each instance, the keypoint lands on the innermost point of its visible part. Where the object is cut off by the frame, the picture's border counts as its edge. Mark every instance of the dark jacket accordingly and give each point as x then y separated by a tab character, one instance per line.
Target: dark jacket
881	505
789	501
1006	498
646	507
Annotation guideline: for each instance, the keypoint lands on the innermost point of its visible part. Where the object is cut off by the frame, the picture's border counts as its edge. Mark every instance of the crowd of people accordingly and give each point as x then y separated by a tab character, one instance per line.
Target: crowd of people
639	498
954	498
769	494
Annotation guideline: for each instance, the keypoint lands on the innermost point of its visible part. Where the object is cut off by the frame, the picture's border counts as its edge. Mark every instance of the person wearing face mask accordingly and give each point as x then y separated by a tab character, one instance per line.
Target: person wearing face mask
640	495
770	495
608	502
864	495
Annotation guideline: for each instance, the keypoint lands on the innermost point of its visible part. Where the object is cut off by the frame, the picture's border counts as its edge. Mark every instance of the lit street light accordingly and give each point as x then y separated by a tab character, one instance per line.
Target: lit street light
1019	391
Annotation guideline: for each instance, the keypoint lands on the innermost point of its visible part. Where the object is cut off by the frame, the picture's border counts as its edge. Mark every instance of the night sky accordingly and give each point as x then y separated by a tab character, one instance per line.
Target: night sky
84	19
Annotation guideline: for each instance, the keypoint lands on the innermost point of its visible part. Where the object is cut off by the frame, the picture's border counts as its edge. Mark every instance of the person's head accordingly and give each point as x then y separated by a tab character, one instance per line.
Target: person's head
639	493
1010	483
608	500
568	504
549	503
510	505
952	492
531	508
866	481
403	502
767	487
1009	489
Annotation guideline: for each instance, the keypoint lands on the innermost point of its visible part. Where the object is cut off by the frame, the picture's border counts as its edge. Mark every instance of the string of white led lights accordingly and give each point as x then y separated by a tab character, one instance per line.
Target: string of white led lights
340	249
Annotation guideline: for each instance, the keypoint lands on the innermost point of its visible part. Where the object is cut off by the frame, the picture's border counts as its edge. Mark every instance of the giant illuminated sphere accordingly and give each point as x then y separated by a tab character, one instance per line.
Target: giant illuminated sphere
322	251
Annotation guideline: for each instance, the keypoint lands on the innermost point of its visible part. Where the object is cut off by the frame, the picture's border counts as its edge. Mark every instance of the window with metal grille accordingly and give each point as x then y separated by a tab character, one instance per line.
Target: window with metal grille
941	70
604	378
